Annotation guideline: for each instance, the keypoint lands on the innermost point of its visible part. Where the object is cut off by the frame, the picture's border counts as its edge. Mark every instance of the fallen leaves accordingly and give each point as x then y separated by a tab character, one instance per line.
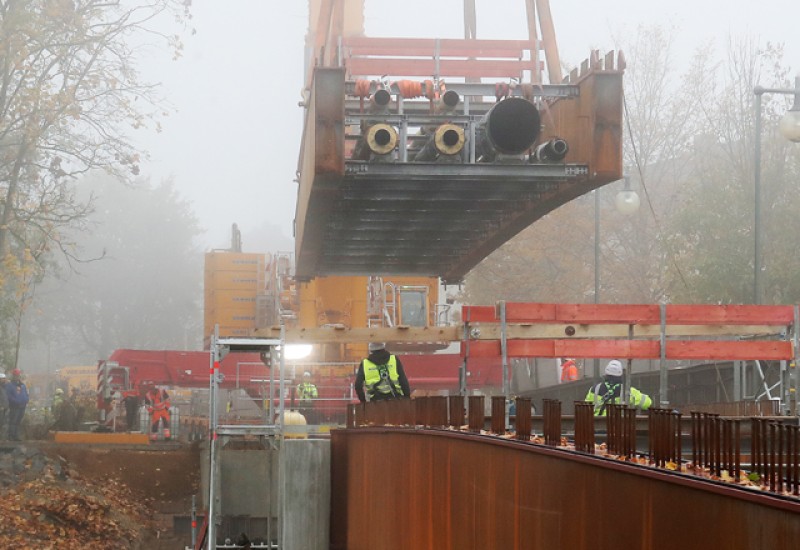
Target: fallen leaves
73	513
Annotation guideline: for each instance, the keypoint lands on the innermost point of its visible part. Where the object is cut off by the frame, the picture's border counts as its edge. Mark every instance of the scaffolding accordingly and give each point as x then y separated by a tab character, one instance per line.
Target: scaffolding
271	350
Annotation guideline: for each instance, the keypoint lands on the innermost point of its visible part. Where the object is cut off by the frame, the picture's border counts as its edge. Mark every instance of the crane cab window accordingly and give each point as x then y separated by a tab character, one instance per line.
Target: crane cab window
413	307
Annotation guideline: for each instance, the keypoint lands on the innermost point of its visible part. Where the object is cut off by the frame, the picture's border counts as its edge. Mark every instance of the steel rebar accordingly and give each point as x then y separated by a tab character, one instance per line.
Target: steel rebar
476	413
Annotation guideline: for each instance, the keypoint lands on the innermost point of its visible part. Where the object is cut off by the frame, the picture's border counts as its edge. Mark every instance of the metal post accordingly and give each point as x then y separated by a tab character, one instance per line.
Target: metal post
786	408
504	353
757	202
625	393
272	361
194	522
472	151
737	380
596	361
596	246
281	503
404	140
796	371
211	534
462	379
663	396
282	384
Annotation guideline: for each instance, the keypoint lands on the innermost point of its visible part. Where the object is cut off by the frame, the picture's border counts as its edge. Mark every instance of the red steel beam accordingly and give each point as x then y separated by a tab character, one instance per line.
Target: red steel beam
635	349
495	68
447	47
523	312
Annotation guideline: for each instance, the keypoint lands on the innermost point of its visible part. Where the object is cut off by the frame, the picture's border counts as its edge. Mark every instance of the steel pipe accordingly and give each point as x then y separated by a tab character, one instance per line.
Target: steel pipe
447	103
551	151
379	102
444	144
509	128
376	143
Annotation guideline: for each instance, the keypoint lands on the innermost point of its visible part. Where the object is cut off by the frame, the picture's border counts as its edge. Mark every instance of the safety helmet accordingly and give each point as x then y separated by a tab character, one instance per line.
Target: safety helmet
59	391
16	373
306	374
2	376
614	368
375	346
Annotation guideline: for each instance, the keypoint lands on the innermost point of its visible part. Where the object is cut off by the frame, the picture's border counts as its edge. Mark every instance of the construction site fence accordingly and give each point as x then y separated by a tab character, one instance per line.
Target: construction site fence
707	444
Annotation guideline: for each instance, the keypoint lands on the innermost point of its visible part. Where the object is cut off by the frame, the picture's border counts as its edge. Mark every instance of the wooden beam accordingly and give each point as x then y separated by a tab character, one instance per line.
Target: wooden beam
488	332
560	330
343	335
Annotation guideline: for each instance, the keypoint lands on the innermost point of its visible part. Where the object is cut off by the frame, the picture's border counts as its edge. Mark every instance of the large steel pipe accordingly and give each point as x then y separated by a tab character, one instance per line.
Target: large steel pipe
377	138
509	128
444	145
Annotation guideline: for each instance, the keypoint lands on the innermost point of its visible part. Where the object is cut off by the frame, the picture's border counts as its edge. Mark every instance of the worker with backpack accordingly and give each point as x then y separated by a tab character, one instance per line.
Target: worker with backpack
610	391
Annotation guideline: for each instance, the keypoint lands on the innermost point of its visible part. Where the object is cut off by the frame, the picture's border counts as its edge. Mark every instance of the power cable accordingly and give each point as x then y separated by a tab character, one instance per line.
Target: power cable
646	192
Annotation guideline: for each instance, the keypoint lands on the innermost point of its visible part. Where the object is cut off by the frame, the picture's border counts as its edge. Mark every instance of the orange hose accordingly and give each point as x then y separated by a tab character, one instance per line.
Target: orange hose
409	88
362	87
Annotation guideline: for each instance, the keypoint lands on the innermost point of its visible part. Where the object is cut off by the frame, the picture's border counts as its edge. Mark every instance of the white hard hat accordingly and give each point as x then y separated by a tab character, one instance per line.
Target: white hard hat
306	373
2	376
614	368
375	346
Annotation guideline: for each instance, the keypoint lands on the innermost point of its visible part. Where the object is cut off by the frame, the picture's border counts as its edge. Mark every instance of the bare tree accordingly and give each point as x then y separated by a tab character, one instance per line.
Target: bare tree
69	96
689	154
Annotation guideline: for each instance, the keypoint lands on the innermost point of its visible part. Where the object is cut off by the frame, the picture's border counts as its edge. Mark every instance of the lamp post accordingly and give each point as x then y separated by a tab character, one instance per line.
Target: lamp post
790	129
627	202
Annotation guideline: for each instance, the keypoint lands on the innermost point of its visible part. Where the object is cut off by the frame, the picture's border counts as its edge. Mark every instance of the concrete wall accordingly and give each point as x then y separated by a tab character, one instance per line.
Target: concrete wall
305	482
259	489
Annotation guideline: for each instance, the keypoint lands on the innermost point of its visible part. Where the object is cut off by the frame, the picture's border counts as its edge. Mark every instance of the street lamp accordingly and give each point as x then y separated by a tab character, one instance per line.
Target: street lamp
790	129
627	202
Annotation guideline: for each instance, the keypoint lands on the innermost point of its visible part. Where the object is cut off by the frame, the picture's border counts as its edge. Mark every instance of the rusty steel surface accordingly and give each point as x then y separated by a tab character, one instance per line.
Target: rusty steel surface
376	211
445	489
494	489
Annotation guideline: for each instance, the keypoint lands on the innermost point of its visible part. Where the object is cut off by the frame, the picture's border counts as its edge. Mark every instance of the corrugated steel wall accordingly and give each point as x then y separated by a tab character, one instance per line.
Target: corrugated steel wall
400	488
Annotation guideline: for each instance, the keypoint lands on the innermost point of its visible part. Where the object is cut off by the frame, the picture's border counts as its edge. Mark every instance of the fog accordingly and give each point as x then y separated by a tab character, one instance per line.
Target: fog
233	143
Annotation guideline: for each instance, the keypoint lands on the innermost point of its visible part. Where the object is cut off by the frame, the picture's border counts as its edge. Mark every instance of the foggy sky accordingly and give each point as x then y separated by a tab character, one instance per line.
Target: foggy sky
232	146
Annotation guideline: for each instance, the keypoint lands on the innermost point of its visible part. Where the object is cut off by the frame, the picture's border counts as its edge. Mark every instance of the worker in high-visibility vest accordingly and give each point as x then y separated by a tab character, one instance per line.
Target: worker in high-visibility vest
610	389
382	375
569	371
306	394
157	401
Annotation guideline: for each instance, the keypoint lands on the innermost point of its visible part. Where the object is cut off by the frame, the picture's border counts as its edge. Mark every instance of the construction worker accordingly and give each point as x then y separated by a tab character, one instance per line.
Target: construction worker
157	401
63	412
58	401
17	393
3	407
609	390
306	393
569	371
382	375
